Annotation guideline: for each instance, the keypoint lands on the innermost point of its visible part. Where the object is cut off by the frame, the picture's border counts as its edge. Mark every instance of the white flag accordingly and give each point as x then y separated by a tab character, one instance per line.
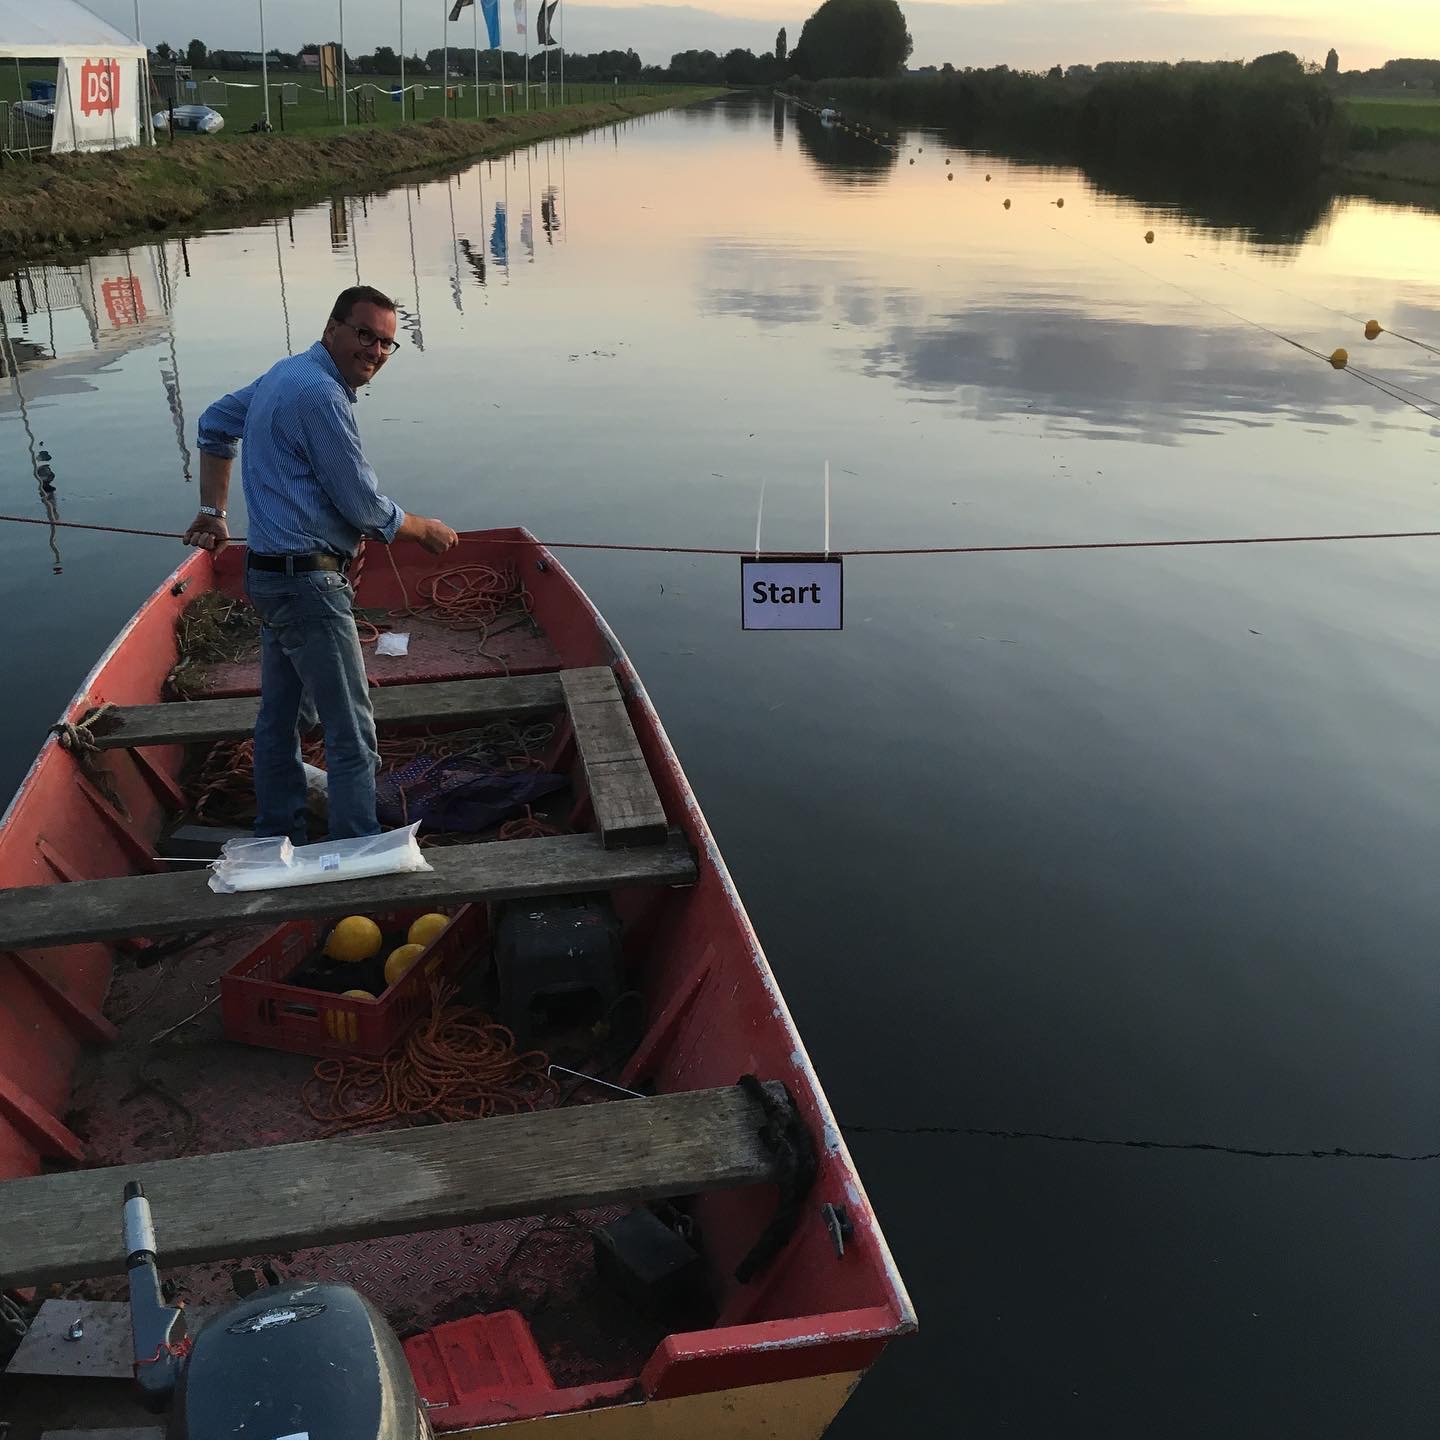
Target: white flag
520	17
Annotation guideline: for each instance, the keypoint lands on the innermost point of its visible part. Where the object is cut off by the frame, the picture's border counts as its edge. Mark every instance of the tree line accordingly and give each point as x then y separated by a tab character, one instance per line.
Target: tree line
1226	121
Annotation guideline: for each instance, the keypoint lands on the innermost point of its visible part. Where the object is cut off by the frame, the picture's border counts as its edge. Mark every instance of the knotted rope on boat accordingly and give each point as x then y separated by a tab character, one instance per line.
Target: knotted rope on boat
458	1065
79	740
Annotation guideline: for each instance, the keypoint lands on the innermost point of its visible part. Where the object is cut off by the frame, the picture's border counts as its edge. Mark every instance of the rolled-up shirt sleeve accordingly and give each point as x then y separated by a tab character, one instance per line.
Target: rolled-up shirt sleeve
222	425
332	442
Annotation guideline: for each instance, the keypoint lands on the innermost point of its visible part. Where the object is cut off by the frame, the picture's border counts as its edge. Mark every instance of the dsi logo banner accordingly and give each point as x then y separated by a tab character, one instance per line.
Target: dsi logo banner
97	105
99	87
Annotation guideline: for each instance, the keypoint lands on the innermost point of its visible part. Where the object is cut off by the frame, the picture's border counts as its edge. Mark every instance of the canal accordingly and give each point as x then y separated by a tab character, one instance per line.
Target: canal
1123	845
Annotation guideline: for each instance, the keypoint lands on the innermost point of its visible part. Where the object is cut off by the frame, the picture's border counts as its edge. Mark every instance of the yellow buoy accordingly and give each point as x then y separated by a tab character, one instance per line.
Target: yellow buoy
987	178
1340	359
912	159
947	162
1373	328
1149	237
1007	204
426	930
1060	203
355	938
358	995
950	176
401	959
919	149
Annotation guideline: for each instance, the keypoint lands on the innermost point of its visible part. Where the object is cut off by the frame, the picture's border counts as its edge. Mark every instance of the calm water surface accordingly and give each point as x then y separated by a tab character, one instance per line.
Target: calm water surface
1136	844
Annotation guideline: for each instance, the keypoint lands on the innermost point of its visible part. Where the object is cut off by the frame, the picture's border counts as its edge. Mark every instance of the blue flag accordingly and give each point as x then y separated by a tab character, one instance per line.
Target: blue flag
491	10
499	241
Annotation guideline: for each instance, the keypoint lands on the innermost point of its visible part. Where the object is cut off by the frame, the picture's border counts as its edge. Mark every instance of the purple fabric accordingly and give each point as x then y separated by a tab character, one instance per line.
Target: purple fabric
458	793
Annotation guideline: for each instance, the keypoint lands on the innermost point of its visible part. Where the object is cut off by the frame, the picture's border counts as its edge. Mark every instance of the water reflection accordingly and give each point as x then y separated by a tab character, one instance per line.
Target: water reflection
840	154
63	328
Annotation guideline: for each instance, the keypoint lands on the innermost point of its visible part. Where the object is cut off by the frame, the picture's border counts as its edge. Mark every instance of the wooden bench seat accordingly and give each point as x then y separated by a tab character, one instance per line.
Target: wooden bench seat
627	806
153	905
322	1192
447	702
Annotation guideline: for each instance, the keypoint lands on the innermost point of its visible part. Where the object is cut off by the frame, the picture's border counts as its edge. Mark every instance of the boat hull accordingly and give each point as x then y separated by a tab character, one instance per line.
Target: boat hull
786	1348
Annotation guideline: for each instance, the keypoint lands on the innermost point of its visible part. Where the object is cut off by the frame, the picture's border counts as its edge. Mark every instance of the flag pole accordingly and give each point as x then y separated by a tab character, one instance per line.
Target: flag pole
502	74
526	4
475	21
402	60
344	93
562	52
545	45
344	97
445	70
264	65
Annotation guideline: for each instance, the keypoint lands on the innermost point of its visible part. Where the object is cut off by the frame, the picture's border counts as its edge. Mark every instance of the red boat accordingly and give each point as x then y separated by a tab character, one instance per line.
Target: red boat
119	1061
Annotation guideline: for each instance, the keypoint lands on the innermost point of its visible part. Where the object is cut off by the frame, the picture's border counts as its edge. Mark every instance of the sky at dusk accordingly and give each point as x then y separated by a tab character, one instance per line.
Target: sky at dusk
1027	34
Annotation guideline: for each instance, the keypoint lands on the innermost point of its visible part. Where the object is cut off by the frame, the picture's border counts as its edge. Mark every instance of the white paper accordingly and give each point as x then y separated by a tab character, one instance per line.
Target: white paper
393	643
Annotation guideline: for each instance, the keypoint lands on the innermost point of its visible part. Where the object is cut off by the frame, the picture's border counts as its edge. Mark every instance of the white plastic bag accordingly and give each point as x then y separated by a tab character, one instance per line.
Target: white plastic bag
252	864
317	791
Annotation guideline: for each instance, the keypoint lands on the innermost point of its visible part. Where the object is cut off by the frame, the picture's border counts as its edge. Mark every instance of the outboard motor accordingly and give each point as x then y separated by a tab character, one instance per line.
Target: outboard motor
313	1361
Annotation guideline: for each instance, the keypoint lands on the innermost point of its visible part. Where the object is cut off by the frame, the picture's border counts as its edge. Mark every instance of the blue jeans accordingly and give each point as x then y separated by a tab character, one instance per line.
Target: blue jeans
310	650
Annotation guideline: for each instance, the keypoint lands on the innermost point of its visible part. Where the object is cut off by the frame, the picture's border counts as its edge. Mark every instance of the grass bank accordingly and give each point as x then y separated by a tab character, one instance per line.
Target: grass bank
66	203
1393	140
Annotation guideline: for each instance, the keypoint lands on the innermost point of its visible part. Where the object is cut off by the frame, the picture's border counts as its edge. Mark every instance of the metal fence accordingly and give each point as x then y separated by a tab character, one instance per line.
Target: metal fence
22	130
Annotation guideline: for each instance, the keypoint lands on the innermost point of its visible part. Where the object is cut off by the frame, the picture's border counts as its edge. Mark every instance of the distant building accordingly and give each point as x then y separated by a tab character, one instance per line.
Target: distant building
309	62
237	59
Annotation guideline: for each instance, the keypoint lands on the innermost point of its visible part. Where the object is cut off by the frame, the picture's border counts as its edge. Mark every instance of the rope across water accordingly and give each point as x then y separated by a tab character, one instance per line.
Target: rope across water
896	550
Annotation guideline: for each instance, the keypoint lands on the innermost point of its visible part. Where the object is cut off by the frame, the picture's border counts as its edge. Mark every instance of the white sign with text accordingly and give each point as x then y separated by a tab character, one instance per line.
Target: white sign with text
792	592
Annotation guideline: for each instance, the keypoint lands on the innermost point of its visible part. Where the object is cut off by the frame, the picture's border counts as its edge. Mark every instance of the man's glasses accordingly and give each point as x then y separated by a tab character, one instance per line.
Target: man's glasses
367	337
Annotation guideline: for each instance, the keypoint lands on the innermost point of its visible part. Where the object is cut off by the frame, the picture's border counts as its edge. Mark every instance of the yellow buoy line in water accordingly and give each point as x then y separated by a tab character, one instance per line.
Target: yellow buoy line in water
1338	359
1373	329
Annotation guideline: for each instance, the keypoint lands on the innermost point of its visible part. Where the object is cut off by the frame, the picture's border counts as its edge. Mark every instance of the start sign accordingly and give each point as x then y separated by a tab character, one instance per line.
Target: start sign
792	592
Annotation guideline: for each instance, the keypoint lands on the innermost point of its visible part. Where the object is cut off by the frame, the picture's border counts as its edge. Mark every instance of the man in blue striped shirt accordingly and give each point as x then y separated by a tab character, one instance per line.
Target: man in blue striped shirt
311	497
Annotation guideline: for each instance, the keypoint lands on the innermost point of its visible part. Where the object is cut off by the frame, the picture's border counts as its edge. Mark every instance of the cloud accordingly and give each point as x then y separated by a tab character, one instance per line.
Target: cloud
1059	363
1037	34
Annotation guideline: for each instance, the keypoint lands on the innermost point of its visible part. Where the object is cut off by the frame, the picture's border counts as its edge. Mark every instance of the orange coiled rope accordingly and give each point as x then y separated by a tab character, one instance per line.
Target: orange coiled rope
463	597
458	1065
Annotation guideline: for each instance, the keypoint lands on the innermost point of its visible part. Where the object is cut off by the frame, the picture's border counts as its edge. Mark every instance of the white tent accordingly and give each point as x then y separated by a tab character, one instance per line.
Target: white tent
66	31
60	28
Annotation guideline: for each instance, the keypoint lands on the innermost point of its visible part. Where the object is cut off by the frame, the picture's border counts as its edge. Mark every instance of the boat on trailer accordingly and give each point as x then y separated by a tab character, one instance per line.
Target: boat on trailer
708	1130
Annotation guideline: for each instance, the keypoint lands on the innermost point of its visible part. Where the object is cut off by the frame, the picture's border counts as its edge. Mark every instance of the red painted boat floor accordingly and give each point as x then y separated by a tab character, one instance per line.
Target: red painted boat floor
514	646
196	1093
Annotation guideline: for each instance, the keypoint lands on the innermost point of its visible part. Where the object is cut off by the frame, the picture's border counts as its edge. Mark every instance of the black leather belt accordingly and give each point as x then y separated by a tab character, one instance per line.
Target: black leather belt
295	564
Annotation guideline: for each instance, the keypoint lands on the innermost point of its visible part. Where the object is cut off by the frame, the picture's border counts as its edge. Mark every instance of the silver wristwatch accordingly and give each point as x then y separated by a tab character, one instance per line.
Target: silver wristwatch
211	510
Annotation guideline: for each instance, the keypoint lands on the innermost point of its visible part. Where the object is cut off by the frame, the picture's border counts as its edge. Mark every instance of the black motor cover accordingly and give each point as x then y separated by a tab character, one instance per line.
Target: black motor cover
317	1361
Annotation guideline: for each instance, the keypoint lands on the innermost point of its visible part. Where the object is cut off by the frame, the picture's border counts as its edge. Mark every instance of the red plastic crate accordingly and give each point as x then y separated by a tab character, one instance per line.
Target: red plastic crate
480	1370
258	1008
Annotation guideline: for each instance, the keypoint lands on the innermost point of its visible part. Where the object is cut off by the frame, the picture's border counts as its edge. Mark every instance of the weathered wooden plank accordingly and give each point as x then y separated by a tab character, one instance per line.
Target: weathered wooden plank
148	1432
154	905
323	1192
443	702
627	805
105	1349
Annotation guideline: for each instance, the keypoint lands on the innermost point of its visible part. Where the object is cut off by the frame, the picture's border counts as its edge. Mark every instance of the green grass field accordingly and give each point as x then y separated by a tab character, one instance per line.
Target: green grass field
243	102
1422	115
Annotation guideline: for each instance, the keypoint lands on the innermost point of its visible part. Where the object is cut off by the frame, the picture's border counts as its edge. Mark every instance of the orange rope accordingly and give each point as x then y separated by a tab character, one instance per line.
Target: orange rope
458	1065
528	827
